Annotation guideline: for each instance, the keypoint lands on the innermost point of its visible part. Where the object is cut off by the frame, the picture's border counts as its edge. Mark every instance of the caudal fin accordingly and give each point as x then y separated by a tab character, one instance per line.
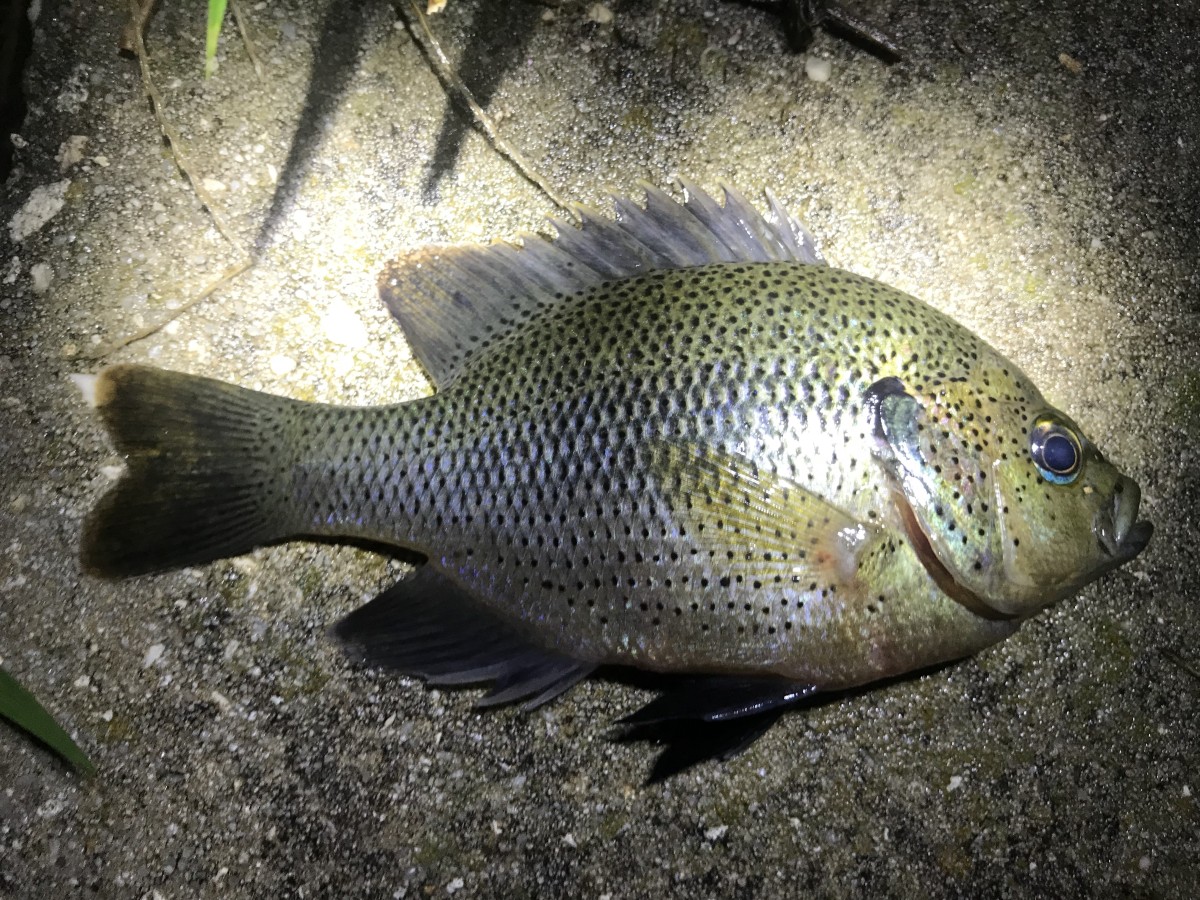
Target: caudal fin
203	477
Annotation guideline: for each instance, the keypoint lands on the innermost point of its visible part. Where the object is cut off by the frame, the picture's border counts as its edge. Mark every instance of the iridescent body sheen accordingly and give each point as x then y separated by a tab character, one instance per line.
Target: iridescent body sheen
723	463
535	479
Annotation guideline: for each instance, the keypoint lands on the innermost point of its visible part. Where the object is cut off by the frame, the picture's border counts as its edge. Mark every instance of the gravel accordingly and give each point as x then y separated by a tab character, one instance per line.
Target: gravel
1032	170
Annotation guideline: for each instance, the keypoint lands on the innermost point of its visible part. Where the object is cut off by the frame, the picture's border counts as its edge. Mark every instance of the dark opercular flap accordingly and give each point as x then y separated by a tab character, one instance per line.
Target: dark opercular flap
431	628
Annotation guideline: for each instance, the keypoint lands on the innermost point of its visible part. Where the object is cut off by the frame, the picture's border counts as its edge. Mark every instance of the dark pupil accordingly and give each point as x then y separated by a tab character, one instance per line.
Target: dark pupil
1058	454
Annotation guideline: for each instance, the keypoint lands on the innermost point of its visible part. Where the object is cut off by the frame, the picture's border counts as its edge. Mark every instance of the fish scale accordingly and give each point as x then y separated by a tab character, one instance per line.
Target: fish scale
676	441
583	397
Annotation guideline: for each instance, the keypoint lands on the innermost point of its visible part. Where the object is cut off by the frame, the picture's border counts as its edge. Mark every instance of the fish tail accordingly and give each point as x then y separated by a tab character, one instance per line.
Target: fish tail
203	477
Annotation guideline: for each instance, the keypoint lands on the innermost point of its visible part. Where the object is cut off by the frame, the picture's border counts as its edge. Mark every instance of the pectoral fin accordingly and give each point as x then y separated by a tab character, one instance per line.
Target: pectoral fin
710	717
777	528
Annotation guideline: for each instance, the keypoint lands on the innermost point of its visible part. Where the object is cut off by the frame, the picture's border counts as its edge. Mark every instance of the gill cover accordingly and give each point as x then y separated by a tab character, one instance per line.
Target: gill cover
1010	509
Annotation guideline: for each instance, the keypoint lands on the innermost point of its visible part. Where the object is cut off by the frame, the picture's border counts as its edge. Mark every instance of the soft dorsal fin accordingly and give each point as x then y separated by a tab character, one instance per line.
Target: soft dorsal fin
453	301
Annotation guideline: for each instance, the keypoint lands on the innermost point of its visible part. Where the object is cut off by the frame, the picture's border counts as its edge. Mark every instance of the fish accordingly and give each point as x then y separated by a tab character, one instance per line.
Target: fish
674	441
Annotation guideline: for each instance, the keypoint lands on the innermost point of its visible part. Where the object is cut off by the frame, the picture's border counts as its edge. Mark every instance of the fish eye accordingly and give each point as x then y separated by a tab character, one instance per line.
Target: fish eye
1055	450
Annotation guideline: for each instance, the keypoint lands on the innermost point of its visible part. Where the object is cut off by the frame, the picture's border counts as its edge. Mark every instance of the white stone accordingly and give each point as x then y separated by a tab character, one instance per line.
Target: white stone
43	204
817	69
153	655
343	327
600	14
87	387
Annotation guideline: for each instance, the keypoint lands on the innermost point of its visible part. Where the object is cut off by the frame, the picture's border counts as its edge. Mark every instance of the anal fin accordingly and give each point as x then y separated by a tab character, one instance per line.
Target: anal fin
431	628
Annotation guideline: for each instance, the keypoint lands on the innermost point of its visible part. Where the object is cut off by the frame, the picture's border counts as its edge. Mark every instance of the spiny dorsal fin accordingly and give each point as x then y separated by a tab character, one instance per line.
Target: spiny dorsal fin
453	301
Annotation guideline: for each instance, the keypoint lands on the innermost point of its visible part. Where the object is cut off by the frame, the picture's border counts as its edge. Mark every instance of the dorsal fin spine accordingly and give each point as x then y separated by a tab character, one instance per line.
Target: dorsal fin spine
454	301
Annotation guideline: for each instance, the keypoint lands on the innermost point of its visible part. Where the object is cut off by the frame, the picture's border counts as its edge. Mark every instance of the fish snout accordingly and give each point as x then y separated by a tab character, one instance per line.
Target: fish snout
1117	528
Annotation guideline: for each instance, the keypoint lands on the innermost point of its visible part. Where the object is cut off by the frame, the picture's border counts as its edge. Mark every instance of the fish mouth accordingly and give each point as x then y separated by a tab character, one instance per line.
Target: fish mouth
1119	533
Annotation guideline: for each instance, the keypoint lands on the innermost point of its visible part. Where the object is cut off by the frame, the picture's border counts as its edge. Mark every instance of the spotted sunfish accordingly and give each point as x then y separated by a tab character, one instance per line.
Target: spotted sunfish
676	440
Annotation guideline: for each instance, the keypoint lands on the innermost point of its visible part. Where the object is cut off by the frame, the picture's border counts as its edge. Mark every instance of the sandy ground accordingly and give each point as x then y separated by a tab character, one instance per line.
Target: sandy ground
1031	169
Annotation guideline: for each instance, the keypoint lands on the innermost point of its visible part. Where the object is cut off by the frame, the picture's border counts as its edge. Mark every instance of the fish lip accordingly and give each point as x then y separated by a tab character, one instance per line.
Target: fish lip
1119	532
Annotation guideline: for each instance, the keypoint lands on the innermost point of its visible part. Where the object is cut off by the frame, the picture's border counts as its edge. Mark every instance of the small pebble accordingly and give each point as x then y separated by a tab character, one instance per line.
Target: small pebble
71	151
153	655
281	365
600	14
42	275
43	204
343	327
817	69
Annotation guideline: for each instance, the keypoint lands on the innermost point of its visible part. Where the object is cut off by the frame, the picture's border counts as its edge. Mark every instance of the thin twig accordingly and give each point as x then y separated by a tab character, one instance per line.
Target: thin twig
244	30
136	25
168	132
1181	662
140	10
227	276
451	82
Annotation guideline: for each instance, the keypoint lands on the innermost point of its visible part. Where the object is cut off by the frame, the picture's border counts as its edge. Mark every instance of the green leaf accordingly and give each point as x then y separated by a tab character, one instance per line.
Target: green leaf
22	709
216	15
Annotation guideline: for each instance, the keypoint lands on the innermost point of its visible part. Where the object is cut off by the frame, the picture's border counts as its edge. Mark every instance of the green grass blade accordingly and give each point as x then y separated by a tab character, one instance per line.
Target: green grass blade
216	15
22	709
